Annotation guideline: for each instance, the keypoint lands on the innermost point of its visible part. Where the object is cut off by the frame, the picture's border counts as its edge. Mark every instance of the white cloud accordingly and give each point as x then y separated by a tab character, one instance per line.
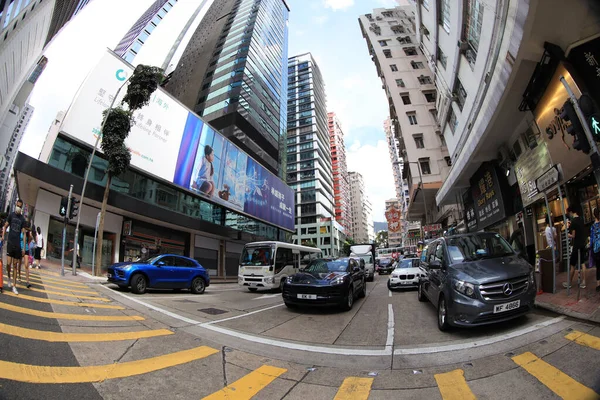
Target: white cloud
373	162
320	19
338	4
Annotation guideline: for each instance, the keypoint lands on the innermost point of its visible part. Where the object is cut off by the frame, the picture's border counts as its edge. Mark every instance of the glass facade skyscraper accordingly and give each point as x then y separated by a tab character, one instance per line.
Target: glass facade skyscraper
309	167
234	74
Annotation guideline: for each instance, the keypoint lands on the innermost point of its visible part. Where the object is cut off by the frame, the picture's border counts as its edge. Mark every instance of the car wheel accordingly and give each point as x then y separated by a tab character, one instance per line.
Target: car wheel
389	285
198	285
371	278
139	284
252	289
281	283
349	300
420	293
443	315
363	291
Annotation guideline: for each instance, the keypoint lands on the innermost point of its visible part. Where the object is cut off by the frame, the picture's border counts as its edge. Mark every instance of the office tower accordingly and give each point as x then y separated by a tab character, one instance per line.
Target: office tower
362	221
341	186
233	73
63	11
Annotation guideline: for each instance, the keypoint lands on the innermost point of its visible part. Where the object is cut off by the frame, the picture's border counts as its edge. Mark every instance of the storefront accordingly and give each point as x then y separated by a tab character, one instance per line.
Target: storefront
141	239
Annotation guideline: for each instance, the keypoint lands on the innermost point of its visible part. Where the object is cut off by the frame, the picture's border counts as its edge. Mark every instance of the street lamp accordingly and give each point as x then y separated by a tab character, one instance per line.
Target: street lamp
87	173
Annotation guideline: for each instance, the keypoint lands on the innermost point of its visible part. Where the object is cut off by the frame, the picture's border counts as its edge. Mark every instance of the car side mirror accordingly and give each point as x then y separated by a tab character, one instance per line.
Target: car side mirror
435	264
160	264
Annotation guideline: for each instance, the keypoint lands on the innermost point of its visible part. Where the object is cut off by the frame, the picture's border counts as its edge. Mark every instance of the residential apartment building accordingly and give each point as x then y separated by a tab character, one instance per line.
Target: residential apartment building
362	221
233	73
309	166
497	67
395	232
409	84
341	185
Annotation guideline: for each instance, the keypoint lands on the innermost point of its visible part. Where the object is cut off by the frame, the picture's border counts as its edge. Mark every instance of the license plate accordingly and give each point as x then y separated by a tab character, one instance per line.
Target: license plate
307	296
498	308
405	283
253	284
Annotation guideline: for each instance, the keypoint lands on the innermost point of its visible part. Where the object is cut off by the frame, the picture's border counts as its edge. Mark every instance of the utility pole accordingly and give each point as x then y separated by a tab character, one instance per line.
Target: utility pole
64	235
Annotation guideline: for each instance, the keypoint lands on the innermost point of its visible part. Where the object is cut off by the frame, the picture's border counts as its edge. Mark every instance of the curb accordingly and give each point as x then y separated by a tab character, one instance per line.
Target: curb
567	312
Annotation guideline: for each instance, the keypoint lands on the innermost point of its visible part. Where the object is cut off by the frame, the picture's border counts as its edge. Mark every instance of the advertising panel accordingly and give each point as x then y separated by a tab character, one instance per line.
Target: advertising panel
393	215
172	143
487	194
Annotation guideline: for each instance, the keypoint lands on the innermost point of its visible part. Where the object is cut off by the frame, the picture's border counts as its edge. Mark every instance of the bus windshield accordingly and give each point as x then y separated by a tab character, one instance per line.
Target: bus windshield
256	256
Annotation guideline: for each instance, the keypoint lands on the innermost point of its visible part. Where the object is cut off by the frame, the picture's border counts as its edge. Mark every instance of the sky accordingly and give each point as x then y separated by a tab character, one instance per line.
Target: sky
328	29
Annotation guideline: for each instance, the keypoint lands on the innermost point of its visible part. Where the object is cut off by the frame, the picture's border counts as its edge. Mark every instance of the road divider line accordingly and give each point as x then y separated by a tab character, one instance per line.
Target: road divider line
389	293
453	386
249	385
354	389
63	294
241	316
554	379
58	281
584	339
389	342
62	302
80	337
98	373
80	317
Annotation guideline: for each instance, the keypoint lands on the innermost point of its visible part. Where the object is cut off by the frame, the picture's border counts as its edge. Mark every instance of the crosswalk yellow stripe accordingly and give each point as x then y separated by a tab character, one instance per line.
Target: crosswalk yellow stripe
36	283
48	273
354	388
64	294
584	339
62	302
453	386
79	337
50	278
554	379
80	317
249	385
98	373
61	282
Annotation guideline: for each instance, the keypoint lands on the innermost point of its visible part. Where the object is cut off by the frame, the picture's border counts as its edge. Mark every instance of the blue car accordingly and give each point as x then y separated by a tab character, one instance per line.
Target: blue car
165	271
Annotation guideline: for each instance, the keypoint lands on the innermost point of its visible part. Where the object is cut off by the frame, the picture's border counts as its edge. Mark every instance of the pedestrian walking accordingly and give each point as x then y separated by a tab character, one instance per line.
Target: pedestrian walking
595	246
25	259
578	235
39	246
15	248
78	255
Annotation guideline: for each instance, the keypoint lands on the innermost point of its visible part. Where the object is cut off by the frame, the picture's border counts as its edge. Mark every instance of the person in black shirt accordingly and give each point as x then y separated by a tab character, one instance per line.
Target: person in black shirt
578	235
14	248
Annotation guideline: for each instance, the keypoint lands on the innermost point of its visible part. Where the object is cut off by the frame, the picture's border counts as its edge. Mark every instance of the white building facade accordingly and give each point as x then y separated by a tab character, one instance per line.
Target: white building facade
363	230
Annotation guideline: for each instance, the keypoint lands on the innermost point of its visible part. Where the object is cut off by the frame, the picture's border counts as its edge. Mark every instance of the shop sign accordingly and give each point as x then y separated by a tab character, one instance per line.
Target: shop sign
585	58
323	230
548	179
170	142
392	216
432	228
487	196
127	228
471	217
528	168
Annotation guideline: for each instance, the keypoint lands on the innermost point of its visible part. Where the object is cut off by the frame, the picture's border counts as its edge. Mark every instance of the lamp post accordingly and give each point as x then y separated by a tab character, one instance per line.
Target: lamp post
87	174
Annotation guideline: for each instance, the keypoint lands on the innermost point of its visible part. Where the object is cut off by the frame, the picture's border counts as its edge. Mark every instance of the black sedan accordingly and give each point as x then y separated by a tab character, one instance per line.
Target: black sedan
326	283
386	266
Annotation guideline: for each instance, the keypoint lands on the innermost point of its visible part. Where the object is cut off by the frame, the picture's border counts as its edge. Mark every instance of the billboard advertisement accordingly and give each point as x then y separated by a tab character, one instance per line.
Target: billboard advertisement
174	144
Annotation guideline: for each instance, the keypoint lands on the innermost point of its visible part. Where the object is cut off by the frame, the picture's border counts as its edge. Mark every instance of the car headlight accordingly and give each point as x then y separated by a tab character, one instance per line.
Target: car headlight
127	267
338	281
269	280
395	276
466	288
289	279
532	278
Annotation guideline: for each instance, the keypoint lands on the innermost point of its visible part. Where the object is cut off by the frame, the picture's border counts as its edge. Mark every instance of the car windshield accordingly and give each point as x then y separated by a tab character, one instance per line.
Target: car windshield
150	260
256	256
324	266
367	259
478	247
409	263
385	261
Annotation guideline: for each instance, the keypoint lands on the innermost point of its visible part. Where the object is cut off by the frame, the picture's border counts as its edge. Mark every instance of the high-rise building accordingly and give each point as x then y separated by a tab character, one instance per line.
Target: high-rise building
136	37
64	10
395	159
233	73
394	232
362	222
411	92
309	169
341	185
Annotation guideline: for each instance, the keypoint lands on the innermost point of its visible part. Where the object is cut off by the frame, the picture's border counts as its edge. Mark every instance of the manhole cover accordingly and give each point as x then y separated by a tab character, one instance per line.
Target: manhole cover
185	301
212	311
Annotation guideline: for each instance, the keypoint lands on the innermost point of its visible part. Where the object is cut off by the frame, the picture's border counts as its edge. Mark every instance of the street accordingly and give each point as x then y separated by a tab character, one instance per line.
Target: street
65	338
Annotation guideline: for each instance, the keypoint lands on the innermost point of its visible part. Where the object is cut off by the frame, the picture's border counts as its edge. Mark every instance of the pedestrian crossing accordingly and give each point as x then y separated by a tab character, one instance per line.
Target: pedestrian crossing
255	383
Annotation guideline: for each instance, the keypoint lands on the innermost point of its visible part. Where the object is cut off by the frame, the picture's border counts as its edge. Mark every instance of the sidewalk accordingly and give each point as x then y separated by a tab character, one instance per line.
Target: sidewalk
588	306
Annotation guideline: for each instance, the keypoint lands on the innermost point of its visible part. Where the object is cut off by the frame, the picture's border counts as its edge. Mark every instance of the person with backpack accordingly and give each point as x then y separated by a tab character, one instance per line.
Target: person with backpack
595	246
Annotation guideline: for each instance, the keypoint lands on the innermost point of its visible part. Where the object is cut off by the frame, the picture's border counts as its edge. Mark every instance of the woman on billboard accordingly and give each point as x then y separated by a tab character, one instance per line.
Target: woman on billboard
204	182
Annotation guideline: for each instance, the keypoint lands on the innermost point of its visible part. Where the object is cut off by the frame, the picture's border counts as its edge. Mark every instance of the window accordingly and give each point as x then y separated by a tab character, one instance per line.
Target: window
412	118
441	57
404	40
387	53
417	64
448	161
399	82
383	43
473	18
442	139
460	94
424	163
419	141
394	68
283	257
425	80
444	15
430	96
398	29
405	98
387	14
410	51
426	4
452	121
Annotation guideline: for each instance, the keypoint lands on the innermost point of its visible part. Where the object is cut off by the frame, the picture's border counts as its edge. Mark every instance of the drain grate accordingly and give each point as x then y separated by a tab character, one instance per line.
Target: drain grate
185	301
212	311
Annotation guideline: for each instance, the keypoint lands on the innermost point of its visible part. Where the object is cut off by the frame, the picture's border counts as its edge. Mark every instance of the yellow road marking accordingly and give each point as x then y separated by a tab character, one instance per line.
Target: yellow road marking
50	273
63	294
65	289
554	379
584	339
249	385
61	282
81	317
99	373
354	388
62	302
39	282
79	337
453	386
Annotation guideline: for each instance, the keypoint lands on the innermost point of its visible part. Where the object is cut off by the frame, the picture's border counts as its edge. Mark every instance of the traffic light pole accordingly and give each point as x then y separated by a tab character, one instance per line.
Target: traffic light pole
87	172
586	129
64	235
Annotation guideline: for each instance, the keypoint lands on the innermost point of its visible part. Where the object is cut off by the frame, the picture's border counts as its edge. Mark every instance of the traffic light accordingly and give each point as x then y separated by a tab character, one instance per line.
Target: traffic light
64	202
575	129
74	208
592	115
